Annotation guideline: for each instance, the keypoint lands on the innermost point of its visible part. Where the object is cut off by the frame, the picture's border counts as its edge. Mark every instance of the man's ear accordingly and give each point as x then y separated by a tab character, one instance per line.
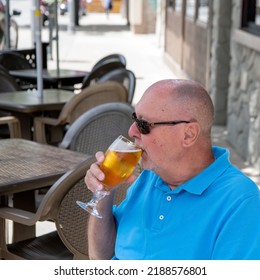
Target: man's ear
191	134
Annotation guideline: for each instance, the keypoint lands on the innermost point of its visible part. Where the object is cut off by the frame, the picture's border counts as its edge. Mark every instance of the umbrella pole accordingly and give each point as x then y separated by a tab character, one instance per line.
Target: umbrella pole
57	38
38	39
7	25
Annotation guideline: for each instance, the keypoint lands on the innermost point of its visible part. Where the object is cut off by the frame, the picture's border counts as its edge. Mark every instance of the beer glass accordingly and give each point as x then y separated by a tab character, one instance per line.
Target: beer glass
119	163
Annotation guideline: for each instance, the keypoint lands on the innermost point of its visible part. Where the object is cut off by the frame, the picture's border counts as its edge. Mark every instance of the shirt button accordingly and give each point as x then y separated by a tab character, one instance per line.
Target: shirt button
169	198
161	217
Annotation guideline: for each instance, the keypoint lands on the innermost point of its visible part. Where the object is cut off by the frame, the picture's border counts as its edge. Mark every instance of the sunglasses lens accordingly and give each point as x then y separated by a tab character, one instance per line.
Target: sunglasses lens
143	126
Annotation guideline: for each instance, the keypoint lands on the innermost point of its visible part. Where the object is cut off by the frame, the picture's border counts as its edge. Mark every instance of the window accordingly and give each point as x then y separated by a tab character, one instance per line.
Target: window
178	5
251	16
198	10
175	5
171	3
203	12
191	8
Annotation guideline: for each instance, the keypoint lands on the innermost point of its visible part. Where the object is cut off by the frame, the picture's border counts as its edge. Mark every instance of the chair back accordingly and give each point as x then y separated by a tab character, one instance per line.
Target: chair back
110	58
72	221
59	205
12	60
90	97
123	76
9	125
51	130
97	128
7	82
100	70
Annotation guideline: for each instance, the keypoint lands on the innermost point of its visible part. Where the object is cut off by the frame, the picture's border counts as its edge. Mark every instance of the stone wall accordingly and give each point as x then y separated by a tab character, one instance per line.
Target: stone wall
244	93
220	58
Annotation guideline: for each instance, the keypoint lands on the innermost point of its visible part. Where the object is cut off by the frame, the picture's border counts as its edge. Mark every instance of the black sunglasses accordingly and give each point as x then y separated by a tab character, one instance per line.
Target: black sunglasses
144	127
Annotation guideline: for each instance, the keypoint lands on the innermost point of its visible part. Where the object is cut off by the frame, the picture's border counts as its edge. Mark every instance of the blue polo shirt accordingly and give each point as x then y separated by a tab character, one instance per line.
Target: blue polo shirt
215	215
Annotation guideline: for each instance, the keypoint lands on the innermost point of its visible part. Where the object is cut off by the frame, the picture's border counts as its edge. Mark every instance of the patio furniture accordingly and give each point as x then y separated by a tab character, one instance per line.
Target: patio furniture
27	166
51	78
13	124
97	128
59	206
102	66
12	60
88	98
100	70
110	58
70	240
30	54
25	105
9	124
7	82
125	77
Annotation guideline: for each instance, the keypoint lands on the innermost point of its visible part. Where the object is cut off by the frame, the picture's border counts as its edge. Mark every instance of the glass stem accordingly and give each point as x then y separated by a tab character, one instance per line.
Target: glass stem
98	195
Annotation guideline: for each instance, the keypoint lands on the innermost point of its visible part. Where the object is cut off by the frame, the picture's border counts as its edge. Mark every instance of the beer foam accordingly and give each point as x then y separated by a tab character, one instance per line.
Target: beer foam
125	151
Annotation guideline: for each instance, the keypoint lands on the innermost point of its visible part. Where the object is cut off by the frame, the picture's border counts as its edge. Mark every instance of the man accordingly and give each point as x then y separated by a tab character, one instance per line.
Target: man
189	202
108	5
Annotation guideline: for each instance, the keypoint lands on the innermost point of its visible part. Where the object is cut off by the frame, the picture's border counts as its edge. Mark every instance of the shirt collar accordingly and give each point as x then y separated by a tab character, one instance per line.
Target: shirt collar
198	184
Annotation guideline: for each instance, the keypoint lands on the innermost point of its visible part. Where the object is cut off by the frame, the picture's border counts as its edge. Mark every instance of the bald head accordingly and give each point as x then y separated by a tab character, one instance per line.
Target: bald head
184	98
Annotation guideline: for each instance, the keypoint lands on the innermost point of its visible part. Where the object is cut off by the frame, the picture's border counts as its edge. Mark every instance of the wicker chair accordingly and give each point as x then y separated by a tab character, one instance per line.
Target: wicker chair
95	74
88	98
110	58
10	125
70	240
97	128
123	76
14	126
12	60
7	82
102	66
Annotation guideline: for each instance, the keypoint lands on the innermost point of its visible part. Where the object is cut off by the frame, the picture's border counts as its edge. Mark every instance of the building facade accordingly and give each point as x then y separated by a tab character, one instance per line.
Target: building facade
217	43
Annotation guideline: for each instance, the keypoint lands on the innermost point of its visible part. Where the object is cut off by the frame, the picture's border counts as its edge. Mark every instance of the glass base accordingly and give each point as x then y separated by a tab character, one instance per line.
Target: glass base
90	207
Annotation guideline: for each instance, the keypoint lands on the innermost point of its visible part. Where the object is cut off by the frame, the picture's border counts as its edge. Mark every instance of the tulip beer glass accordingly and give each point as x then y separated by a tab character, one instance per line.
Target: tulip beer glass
119	163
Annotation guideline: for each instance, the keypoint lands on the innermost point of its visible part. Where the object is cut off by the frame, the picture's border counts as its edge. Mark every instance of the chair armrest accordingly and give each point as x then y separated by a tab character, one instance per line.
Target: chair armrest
13	124
39	134
18	216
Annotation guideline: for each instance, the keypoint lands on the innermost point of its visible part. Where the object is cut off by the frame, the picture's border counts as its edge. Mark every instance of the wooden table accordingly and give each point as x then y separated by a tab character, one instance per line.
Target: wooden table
51	78
25	105
27	166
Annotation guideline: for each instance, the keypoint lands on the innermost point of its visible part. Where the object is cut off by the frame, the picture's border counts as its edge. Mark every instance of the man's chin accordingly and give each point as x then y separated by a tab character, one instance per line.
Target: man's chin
144	164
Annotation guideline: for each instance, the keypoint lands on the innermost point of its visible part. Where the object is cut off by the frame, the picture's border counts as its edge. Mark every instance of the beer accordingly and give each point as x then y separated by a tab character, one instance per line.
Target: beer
119	165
